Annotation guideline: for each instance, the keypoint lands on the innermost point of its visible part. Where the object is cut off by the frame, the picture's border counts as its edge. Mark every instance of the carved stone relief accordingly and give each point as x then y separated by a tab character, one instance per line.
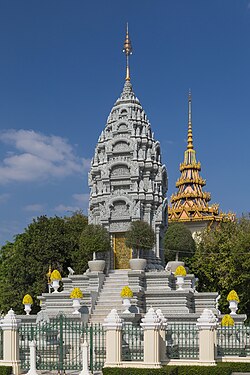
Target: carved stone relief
120	170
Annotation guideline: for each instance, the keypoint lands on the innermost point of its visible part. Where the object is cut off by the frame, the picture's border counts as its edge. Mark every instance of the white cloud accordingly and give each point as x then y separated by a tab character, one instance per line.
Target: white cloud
80	204
4	197
66	209
38	157
34	207
81	198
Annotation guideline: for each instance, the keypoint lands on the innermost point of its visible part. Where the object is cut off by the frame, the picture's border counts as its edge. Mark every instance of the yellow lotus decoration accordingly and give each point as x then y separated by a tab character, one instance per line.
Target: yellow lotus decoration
76	293
55	276
233	296
180	271
227	321
27	300
126	292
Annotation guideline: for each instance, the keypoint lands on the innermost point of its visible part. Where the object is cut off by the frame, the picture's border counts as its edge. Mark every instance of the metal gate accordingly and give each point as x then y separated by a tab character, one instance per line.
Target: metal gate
58	344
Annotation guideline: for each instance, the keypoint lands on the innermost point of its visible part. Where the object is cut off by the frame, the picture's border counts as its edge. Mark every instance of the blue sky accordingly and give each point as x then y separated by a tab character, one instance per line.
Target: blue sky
62	68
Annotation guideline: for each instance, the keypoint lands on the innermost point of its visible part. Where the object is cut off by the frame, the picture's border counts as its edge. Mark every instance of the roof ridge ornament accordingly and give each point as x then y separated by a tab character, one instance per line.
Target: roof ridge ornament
127	49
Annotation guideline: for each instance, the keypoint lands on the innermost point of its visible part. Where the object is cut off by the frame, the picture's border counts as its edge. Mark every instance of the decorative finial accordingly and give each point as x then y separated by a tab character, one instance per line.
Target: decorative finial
48	277
190	132
127	49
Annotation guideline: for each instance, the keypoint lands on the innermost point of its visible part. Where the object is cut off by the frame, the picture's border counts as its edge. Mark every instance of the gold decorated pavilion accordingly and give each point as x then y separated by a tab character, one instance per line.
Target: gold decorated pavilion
190	205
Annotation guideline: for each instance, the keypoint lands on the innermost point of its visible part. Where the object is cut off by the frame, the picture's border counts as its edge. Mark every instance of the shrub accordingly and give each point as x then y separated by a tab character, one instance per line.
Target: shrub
180	271
5	370
55	275
167	370
126	292
27	299
220	369
227	321
76	293
233	296
140	236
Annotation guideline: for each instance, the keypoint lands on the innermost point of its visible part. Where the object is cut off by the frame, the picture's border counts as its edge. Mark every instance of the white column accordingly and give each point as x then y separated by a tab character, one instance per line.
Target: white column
151	325
32	370
10	325
162	332
207	324
157	232
85	358
113	326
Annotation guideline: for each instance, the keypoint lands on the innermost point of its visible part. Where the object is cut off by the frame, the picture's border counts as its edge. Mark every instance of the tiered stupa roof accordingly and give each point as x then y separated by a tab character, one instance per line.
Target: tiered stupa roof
191	203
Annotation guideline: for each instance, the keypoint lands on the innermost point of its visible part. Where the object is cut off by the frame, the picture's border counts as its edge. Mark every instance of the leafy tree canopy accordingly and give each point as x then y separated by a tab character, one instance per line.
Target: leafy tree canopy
222	262
140	236
93	239
178	242
25	262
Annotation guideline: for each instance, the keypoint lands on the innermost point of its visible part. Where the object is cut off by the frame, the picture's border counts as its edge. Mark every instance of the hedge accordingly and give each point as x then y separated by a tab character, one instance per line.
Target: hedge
5	370
169	370
220	369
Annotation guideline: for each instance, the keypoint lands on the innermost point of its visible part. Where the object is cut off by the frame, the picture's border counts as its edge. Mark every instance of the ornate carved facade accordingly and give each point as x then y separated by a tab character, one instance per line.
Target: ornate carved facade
127	179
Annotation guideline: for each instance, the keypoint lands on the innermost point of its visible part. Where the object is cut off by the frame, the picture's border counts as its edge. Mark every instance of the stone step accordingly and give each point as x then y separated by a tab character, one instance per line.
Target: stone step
114	299
114	282
113	290
110	291
109	297
107	308
113	286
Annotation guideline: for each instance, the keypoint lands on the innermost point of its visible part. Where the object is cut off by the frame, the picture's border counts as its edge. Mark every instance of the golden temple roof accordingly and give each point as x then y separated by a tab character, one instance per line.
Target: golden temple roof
191	203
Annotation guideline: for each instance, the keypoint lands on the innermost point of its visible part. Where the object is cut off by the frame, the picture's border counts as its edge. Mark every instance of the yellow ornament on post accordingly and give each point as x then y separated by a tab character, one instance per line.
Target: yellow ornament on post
27	302
227	321
233	300
126	294
180	273
76	295
55	278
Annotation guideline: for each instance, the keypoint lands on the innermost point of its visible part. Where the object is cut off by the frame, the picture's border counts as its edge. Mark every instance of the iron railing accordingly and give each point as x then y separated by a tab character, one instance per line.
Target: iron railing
58	344
182	341
233	341
132	343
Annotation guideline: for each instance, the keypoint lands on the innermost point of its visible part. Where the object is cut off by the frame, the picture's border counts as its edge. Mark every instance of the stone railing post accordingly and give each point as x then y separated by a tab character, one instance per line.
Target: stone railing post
32	370
113	326
151	325
10	325
207	324
85	358
162	332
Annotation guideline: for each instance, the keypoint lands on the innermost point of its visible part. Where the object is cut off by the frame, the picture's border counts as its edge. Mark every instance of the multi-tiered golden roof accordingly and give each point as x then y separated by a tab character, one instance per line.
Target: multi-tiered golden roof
191	203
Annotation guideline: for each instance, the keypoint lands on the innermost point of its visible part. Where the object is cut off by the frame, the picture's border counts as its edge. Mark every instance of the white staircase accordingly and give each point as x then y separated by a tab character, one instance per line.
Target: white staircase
109	297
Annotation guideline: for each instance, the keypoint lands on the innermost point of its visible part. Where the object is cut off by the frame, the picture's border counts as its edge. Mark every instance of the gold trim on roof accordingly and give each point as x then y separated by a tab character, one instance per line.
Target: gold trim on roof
190	203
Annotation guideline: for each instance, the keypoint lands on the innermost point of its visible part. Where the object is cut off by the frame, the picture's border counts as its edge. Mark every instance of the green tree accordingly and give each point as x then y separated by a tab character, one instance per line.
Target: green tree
178	242
222	261
140	236
25	262
93	239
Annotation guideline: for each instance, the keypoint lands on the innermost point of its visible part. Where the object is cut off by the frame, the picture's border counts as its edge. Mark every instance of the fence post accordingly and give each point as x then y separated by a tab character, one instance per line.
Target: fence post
151	325
10	325
163	327
32	370
207	324
113	326
85	358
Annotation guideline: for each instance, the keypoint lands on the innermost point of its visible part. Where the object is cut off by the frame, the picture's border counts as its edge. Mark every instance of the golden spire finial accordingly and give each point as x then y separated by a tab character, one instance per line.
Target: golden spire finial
49	274
127	48
190	132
